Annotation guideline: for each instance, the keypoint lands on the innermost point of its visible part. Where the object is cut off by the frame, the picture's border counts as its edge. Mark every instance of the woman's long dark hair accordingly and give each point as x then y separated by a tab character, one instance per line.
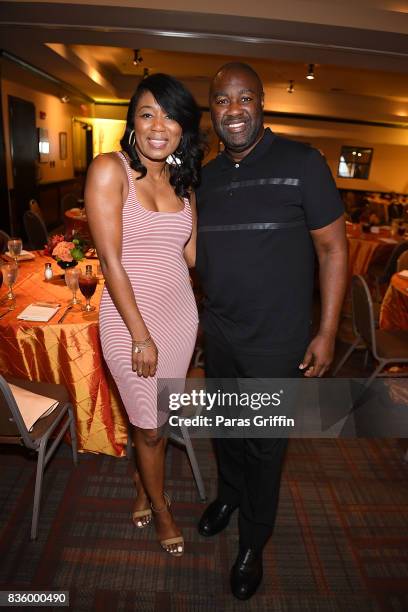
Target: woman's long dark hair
178	102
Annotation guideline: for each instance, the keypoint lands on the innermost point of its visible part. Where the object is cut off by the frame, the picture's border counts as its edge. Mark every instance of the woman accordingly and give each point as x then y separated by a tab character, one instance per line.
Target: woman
141	212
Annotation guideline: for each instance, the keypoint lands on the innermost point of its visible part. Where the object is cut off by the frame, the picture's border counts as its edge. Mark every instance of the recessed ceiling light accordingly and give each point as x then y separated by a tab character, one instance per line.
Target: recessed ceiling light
310	72
137	58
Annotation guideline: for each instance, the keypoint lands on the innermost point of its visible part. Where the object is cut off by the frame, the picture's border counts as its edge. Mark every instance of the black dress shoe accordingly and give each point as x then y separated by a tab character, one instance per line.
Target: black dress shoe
215	518
246	573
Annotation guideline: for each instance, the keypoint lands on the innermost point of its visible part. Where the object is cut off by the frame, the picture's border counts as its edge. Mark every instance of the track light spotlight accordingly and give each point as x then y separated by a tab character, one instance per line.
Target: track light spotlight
310	72
64	99
145	72
137	58
291	86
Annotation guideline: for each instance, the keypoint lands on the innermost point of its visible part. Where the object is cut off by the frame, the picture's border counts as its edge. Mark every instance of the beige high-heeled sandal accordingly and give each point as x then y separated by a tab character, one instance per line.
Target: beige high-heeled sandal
179	540
139	515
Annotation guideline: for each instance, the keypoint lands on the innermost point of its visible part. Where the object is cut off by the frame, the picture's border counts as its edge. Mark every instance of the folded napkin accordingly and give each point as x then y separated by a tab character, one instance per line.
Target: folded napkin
403	273
42	311
32	406
24	255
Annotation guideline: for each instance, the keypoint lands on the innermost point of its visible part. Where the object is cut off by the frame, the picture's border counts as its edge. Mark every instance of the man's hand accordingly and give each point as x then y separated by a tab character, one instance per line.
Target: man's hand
318	356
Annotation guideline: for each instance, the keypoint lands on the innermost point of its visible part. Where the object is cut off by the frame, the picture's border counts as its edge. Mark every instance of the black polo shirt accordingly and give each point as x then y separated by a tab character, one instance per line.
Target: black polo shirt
255	256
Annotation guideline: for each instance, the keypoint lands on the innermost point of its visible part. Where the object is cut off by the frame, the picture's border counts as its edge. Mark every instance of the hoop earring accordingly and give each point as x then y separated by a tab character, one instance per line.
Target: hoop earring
179	151
173	160
132	138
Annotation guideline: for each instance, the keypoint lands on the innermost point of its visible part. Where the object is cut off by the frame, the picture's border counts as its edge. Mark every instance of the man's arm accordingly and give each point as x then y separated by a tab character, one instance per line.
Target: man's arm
331	247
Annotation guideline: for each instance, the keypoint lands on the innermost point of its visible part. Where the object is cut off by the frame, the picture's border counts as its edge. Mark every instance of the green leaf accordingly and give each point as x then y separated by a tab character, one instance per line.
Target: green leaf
77	253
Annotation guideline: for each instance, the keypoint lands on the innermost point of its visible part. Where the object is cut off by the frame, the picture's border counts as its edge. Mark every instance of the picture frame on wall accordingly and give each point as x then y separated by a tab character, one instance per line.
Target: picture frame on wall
63	145
43	145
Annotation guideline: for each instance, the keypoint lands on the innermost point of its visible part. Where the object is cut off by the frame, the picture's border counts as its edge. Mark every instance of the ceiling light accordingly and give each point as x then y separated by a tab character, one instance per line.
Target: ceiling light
65	99
145	72
310	72
137	58
291	87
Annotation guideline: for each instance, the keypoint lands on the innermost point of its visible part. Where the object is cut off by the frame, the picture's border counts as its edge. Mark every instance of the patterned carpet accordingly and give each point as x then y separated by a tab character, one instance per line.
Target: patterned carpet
340	543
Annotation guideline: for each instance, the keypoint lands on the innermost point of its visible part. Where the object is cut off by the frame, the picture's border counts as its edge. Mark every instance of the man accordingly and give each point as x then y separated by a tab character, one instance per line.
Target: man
265	205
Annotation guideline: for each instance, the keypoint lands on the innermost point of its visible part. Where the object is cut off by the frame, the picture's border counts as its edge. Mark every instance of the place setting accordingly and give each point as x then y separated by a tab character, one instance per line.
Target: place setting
16	253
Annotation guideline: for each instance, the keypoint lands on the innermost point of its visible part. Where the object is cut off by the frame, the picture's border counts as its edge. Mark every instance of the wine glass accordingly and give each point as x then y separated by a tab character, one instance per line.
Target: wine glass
87	286
14	247
71	280
10	271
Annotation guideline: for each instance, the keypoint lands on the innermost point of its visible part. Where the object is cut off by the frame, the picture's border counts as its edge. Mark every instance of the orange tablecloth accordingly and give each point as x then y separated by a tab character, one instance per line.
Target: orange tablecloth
67	353
394	307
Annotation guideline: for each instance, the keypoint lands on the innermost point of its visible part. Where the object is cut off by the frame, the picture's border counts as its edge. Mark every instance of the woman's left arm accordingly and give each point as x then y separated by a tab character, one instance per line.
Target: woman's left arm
190	248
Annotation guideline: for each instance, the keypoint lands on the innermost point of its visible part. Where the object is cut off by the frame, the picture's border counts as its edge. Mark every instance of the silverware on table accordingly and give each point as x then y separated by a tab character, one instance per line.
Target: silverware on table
66	311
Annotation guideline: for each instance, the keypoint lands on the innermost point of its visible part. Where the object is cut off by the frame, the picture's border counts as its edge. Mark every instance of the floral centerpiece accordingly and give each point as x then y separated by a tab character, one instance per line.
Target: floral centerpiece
66	250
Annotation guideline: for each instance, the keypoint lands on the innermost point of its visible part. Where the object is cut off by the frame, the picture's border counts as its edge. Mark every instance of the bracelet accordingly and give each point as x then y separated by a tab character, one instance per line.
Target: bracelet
139	345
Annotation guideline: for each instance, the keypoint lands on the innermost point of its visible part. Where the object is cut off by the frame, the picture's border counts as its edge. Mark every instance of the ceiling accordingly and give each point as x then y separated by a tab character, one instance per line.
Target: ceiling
361	68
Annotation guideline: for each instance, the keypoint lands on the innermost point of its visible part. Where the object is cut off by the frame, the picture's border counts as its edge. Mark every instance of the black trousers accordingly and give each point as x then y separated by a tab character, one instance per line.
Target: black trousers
249	469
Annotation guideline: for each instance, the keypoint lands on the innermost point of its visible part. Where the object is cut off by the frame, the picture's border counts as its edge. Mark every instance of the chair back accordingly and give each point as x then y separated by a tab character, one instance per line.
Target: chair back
4	238
12	426
363	313
35	208
36	230
402	263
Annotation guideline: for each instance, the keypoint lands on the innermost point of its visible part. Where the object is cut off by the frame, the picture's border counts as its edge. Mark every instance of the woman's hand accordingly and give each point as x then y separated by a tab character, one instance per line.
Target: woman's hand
144	357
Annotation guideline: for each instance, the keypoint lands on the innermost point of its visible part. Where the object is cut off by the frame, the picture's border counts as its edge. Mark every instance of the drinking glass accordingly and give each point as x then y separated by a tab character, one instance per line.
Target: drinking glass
14	246
71	280
87	286
10	271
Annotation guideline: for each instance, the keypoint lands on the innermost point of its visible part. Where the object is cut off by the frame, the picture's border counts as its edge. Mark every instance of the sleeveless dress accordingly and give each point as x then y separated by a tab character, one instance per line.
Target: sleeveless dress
152	256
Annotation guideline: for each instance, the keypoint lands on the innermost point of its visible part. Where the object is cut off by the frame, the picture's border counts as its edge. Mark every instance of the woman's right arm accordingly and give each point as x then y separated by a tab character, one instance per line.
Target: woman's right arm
104	195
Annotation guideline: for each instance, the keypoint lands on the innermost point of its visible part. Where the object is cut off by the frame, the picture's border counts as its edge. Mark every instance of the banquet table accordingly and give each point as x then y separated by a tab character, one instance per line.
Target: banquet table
394	307
68	353
75	221
363	248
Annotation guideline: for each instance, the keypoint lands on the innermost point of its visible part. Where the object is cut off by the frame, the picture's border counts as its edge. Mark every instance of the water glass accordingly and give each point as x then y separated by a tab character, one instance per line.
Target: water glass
15	246
10	271
71	280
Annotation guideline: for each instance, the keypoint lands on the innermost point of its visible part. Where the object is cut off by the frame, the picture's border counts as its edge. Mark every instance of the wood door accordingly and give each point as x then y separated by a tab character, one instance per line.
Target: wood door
24	157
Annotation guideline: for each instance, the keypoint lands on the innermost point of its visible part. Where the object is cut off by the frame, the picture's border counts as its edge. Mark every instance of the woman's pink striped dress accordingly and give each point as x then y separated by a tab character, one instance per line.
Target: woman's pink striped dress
152	255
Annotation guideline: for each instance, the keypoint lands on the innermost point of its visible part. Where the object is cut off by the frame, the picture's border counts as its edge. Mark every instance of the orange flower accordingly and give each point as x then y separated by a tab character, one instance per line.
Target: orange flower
63	251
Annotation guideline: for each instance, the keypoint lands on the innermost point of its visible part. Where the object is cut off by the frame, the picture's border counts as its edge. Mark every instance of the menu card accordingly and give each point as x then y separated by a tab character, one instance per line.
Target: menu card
41	311
32	406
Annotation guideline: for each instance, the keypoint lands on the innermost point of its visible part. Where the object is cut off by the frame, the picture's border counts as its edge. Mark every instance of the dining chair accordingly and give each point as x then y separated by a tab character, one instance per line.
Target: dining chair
14	431
402	263
35	208
387	346
183	438
36	230
4	238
